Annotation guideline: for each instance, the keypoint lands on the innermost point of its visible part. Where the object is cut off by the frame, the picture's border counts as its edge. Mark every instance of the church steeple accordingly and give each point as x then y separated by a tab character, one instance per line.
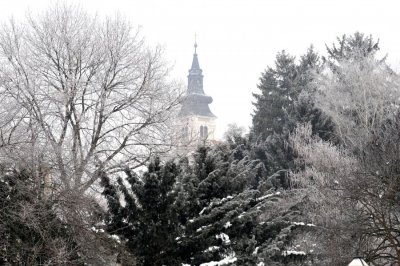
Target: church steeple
196	102
195	62
196	121
195	78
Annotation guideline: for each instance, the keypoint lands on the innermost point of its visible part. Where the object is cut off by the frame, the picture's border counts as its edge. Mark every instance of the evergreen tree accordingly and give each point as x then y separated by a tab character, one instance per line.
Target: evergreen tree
353	47
287	98
278	92
305	109
141	212
216	206
227	221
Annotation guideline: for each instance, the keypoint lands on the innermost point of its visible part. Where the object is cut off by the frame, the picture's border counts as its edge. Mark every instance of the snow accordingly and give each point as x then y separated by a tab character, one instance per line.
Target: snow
241	215
293	252
216	203
101	223
260	263
184	264
255	251
94	229
116	238
202	211
358	261
224	237
227	224
211	249
304	224
226	261
202	228
225	199
191	221
268	196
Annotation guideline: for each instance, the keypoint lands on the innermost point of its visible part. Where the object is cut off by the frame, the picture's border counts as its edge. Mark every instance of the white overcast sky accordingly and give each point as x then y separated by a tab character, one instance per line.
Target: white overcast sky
238	39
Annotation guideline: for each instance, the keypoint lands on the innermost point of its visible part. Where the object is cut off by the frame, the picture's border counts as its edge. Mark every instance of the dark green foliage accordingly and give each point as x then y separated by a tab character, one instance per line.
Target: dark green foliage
208	207
277	156
286	99
322	125
281	230
141	212
278	93
355	47
234	208
253	236
31	233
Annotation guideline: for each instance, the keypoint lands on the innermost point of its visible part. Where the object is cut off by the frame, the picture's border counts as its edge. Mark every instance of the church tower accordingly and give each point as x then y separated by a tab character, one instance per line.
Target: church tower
196	119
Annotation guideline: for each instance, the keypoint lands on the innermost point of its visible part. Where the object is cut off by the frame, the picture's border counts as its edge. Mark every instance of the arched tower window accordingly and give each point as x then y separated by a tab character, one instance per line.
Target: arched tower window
203	132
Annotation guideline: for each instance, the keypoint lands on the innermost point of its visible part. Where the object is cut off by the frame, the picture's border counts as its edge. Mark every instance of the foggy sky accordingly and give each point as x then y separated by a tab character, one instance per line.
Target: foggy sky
238	39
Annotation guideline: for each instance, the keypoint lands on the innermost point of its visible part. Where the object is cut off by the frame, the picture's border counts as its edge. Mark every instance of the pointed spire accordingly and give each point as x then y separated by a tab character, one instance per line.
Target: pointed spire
195	62
196	102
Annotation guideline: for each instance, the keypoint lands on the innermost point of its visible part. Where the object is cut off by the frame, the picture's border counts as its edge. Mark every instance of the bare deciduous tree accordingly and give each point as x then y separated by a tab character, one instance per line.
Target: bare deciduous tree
358	96
353	189
82	95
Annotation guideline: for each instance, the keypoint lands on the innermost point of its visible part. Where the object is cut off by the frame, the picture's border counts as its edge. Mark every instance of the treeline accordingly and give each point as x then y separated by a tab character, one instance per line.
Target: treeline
314	182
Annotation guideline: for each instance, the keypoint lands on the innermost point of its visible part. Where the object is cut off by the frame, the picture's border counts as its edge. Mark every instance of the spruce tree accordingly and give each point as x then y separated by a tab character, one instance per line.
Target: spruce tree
287	98
278	93
228	221
305	109
353	47
141	212
287	95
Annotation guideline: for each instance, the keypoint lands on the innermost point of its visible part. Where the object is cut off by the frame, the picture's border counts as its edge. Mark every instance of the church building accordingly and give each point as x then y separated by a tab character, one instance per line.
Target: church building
197	122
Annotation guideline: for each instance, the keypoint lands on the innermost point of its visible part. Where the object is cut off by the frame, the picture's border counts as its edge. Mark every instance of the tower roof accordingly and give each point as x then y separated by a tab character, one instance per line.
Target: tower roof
196	101
195	63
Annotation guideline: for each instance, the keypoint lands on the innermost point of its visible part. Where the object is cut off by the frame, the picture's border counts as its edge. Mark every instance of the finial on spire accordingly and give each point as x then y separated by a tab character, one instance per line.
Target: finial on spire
195	43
